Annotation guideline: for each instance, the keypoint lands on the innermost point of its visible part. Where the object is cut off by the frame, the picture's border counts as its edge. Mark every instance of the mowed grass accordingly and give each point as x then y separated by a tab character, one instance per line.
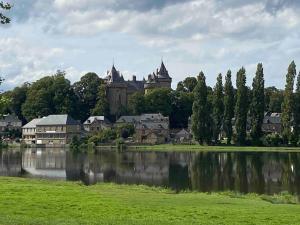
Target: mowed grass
25	201
201	148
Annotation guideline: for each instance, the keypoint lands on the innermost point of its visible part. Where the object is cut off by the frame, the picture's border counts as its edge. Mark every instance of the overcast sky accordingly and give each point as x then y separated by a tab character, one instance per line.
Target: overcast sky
79	36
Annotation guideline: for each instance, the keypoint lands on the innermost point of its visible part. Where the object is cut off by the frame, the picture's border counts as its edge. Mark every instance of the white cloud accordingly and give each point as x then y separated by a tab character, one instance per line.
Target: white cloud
209	35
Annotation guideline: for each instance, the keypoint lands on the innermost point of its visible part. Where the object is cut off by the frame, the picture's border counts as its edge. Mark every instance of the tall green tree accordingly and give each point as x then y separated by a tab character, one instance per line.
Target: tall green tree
50	95
5	101
187	85
228	106
297	110
102	105
182	103
136	103
18	97
159	101
87	90
273	99
241	107
4	6
218	107
200	118
288	103
257	109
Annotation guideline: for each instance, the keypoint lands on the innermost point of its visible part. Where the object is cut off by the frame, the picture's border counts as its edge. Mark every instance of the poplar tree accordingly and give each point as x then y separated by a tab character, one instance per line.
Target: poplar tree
288	103
102	105
200	116
297	111
218	107
241	107
257	104
228	107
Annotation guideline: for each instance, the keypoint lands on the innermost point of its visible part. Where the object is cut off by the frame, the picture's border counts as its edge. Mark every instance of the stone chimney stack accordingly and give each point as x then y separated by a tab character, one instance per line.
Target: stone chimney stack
134	78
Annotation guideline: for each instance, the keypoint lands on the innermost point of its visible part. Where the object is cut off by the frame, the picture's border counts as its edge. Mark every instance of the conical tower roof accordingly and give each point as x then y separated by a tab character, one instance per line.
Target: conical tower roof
114	75
163	72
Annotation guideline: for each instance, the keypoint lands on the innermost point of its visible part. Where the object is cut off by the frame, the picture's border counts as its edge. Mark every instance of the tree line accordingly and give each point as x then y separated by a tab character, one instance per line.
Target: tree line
215	112
237	114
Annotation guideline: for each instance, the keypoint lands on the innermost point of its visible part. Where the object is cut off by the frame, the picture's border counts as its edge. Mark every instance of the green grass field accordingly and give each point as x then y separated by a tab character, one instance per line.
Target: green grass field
25	201
200	148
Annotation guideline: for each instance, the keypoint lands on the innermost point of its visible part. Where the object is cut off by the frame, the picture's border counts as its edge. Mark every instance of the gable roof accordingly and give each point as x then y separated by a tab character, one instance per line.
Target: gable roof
9	118
58	120
272	118
129	119
32	123
91	119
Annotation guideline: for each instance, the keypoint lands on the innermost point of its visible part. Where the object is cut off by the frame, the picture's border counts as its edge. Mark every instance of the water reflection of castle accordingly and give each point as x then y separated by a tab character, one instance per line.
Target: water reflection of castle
243	172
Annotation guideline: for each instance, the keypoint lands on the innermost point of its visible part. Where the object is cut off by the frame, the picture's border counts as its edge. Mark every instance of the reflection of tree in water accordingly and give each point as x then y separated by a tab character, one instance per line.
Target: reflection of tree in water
90	168
179	177
242	179
229	177
257	178
203	172
295	165
10	163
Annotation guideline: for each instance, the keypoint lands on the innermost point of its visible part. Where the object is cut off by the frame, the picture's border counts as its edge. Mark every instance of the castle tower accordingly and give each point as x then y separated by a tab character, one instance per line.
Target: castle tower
160	79
116	91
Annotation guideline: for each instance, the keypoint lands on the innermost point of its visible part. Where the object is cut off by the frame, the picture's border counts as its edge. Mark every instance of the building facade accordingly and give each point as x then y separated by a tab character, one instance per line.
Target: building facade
272	123
153	129
29	131
57	129
94	124
118	90
9	123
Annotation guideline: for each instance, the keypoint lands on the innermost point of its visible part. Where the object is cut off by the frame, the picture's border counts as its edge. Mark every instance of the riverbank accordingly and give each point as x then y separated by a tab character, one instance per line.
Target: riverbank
200	148
25	201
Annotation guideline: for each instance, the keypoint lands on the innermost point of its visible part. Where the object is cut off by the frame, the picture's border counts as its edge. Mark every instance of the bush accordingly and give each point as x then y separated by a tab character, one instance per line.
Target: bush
125	130
272	140
104	136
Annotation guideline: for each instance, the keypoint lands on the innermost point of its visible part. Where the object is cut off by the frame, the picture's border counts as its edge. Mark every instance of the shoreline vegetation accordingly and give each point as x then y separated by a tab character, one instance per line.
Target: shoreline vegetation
166	148
201	148
32	201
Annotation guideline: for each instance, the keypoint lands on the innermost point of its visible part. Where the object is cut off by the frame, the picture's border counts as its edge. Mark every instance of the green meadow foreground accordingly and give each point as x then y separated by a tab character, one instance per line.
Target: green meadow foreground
201	148
25	201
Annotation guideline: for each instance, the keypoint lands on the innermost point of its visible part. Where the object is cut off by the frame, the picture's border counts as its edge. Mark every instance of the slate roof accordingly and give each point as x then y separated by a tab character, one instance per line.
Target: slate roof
135	85
9	118
129	119
274	118
152	117
32	123
58	120
91	119
114	76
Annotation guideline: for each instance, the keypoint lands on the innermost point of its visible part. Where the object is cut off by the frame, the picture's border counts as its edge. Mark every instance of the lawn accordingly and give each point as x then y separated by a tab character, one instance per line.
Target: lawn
25	201
200	148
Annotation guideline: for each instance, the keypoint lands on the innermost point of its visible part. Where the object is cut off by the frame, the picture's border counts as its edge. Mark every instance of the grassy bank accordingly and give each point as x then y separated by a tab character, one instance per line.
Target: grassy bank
51	202
200	148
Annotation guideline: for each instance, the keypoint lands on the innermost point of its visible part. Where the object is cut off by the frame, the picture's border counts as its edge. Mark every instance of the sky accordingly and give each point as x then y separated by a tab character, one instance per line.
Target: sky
212	36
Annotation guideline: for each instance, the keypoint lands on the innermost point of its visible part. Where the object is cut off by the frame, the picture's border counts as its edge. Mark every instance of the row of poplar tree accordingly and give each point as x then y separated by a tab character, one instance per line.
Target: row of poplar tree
231	114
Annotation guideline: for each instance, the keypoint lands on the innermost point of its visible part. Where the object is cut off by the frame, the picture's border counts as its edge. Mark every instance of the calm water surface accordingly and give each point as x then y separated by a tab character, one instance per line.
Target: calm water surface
207	171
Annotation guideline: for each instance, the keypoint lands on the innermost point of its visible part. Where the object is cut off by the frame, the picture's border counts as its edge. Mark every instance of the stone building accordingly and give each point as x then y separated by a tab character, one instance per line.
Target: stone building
57	129
9	123
153	129
29	131
118	90
95	124
272	123
159	79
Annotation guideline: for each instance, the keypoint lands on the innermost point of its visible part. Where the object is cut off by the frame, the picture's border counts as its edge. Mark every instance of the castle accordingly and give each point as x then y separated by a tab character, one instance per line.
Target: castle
118	90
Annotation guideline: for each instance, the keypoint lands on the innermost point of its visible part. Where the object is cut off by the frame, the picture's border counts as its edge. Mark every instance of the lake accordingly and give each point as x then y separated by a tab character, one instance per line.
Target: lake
258	172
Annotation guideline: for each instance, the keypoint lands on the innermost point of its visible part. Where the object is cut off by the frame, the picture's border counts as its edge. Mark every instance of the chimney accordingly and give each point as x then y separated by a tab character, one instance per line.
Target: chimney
134	78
